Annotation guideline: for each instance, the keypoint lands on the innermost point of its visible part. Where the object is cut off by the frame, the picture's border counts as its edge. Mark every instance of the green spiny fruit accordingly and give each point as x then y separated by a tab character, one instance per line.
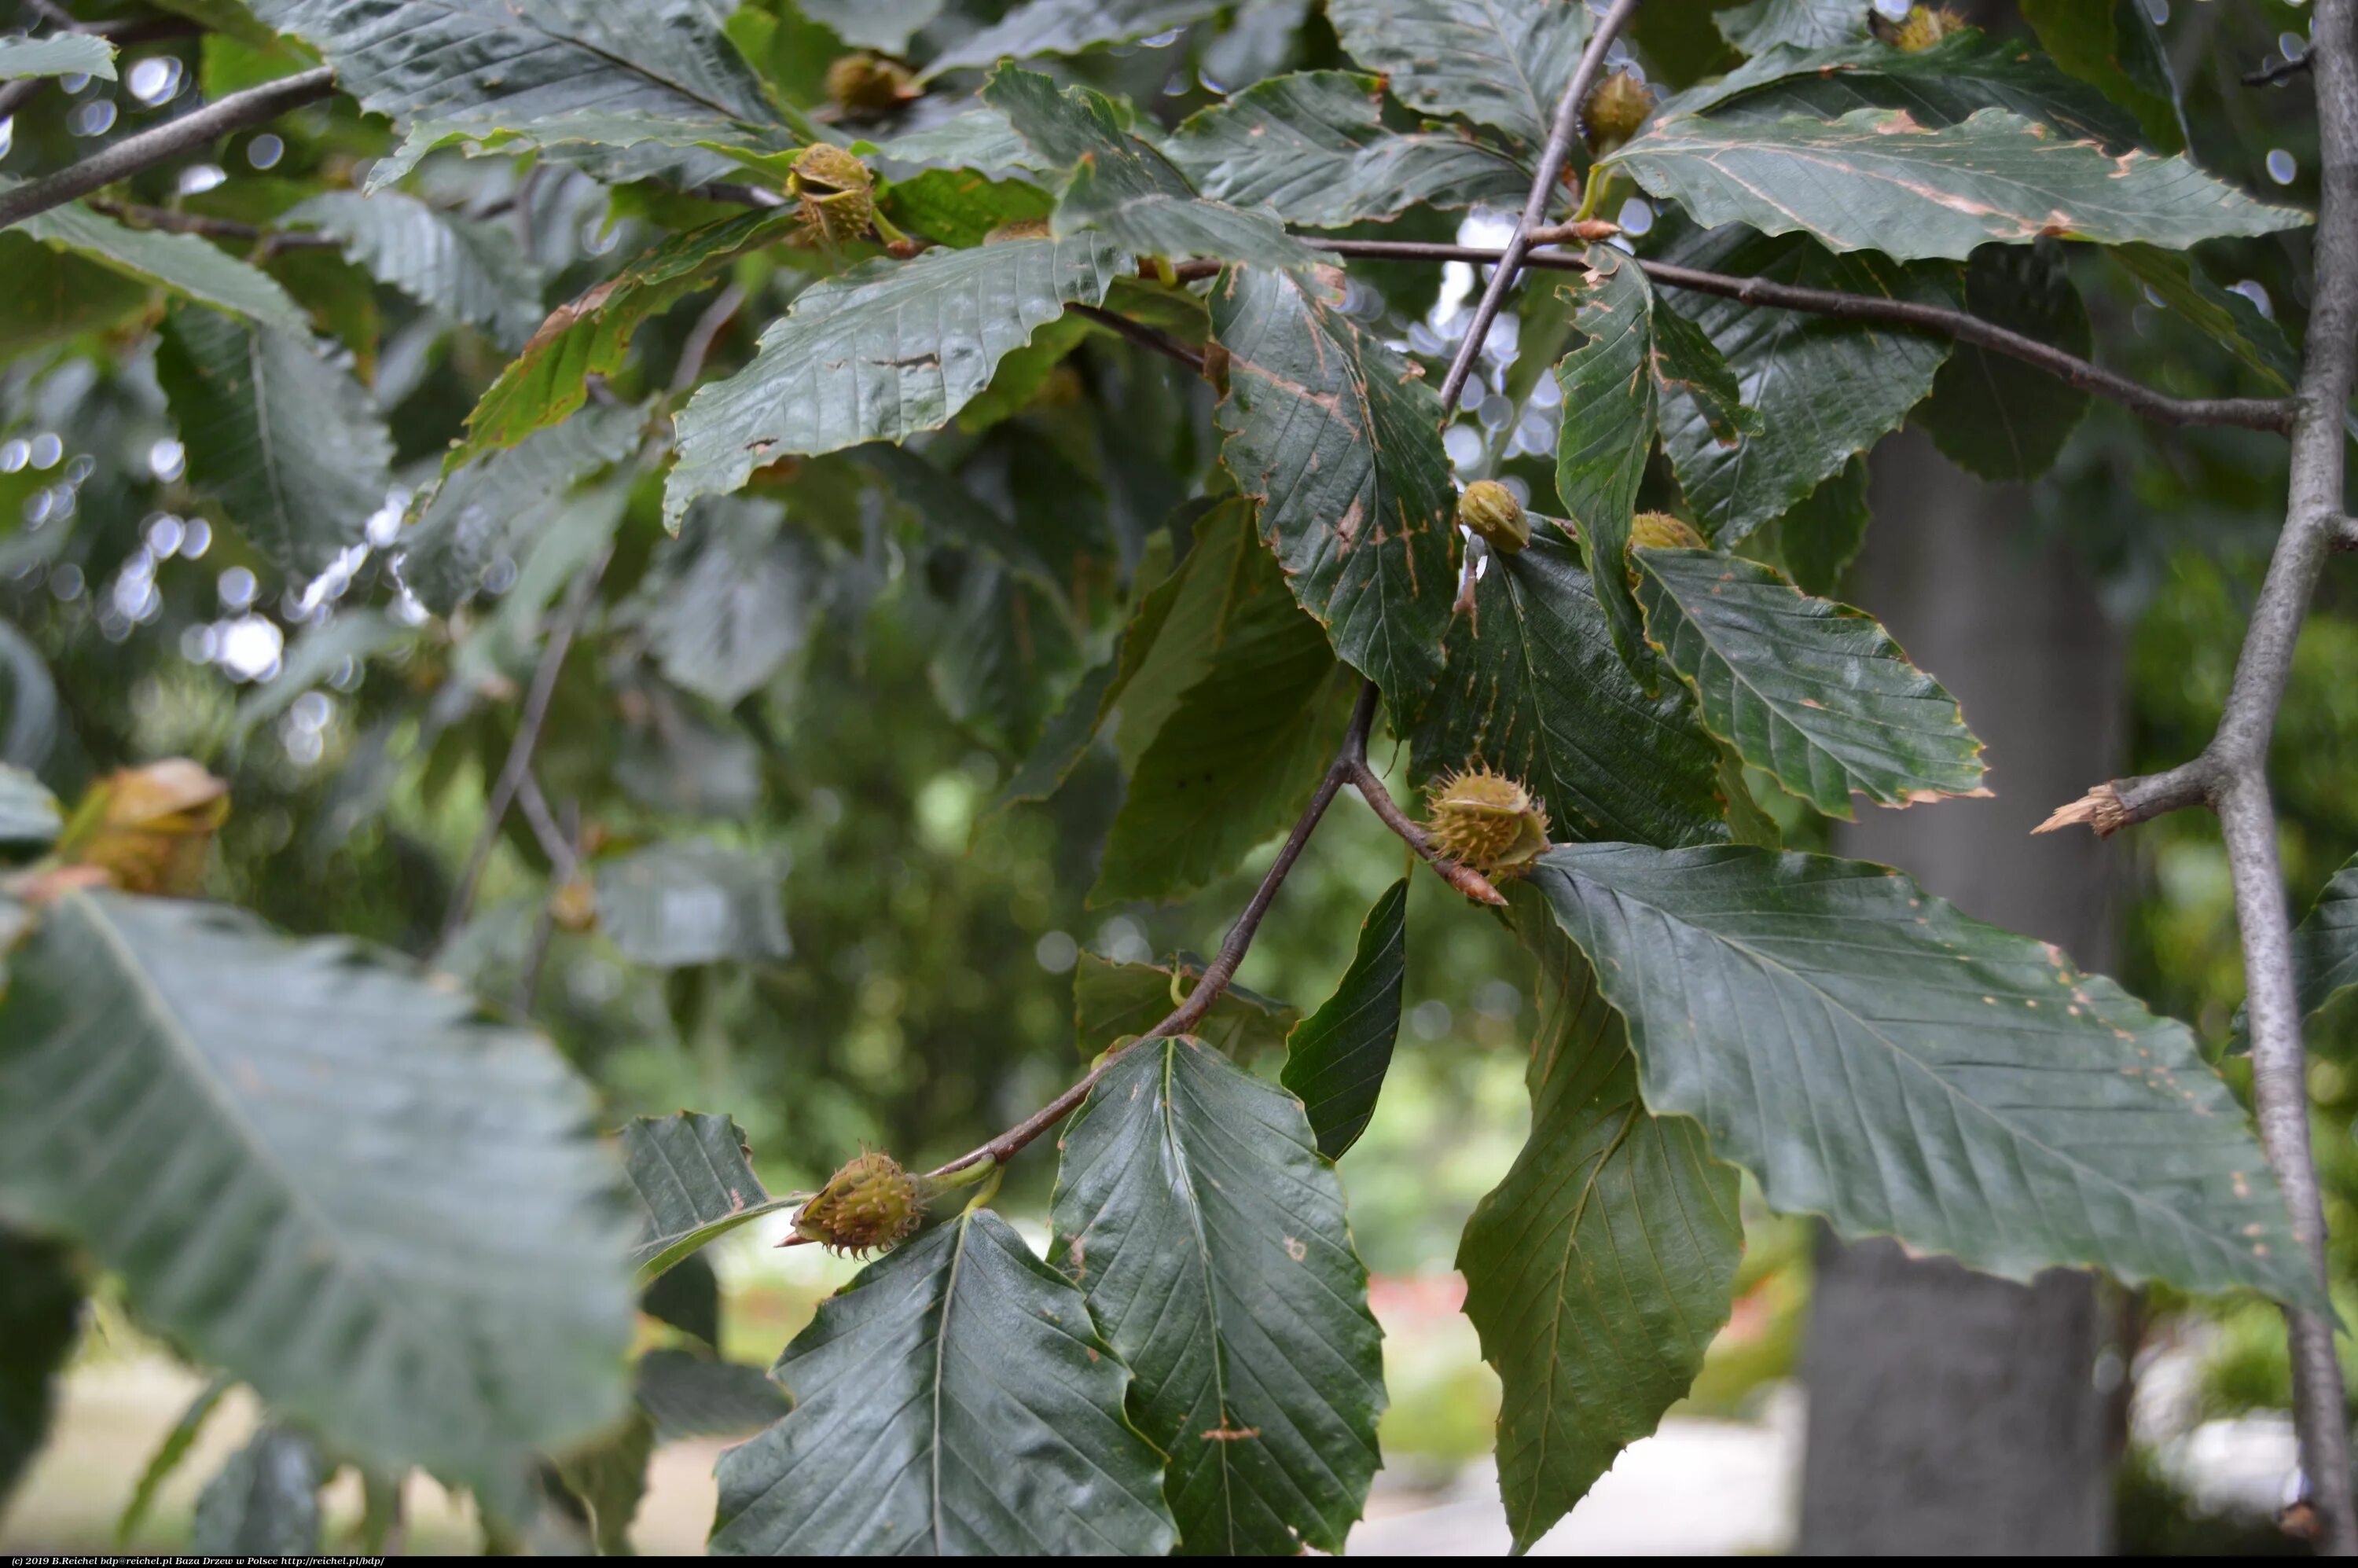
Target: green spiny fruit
866	85
1486	820
837	193
1661	531
1491	510
1923	26
1617	109
870	1204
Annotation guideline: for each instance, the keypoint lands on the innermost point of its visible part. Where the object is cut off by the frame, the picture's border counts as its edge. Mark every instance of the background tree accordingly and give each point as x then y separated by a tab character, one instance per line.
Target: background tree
598	395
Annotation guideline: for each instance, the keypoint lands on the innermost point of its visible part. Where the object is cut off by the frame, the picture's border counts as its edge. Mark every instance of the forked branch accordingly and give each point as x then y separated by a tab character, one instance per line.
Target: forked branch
2231	774
1350	766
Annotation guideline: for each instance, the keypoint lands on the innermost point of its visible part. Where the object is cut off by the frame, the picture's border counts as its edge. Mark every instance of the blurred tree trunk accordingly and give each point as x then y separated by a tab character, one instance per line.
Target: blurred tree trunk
1950	1412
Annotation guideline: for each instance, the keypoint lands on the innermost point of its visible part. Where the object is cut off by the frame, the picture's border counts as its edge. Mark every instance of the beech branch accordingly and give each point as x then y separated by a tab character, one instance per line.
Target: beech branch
1535	207
2231	775
134	155
2245	413
517	768
1350	767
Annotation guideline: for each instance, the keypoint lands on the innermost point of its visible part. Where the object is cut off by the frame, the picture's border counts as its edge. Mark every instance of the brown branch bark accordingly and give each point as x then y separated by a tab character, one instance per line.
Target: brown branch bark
1535	207
1138	332
134	155
2231	775
2247	413
1350	766
513	773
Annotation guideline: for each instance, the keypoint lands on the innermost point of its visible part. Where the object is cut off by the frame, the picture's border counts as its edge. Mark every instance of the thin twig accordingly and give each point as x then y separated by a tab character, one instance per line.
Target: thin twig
1464	878
2249	413
2245	413
710	322
555	841
1535	207
2276	71
135	154
1350	766
564	859
272	241
2231	772
570	617
1138	332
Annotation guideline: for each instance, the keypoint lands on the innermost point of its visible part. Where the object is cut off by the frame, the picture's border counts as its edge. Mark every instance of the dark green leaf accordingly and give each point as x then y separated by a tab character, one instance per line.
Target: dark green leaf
1114	1002
1237	758
1686	360
40	1319
1804	24
1181	624
886	25
693	1177
1499	62
908	1434
181	263
728	619
1815	693
1313	148
1820	538
1610	398
1535	690
1873	1056
2114	45
168	1456
675	905
60	54
480	67
959	207
1006	658
54	295
288	443
1120	185
1939	86
266	1501
1339	441
1336	1058
2325	946
880	353
1880	179
693	1396
1824	389
472	271
1991	413
609	1474
2175	281
1194	1210
1066	26
29	812
1597	1272
591	335
688	1296
258	1135
499	503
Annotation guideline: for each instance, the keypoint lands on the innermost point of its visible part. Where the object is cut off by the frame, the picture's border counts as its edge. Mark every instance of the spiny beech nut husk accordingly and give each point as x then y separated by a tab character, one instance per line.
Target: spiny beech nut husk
1923	26
1497	518
1661	531
864	83
871	1202
836	192
1616	110
1487	820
